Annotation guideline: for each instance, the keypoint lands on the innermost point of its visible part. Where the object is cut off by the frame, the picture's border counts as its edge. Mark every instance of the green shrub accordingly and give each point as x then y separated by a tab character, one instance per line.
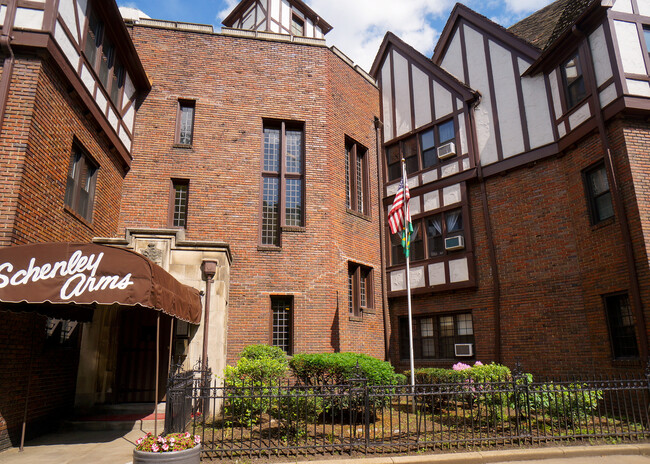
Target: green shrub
340	368
294	409
264	352
400	379
572	403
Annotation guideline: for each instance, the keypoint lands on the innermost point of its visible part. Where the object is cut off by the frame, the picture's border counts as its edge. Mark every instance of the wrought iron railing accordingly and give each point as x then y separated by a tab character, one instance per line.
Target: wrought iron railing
261	420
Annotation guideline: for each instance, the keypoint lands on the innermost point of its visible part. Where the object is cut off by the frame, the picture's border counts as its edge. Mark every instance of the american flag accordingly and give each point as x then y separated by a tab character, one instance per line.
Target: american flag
396	213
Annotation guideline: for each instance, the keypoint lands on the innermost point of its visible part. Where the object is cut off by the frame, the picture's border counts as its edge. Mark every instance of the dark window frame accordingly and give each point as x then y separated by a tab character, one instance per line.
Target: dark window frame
441	344
80	162
575	91
616	331
357	155
173	202
179	138
276	302
412	149
113	73
360	288
283	176
592	198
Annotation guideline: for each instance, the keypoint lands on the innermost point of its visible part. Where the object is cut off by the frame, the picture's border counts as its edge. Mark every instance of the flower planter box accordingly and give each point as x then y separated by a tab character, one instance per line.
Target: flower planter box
189	456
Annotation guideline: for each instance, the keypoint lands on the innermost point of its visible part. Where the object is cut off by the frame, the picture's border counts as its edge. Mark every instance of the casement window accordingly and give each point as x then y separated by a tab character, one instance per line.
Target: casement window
646	36
436	337
360	294
282	180
599	197
61	332
179	195
185	122
357	190
80	185
429	236
574	82
100	54
297	25
621	326
282	323
420	151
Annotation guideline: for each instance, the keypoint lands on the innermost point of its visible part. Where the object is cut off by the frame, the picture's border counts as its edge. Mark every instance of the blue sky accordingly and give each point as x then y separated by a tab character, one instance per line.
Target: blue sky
358	25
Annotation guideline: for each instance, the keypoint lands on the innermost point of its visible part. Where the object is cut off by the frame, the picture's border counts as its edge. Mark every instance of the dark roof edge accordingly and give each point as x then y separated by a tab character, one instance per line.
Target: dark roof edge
391	39
553	48
302	6
498	31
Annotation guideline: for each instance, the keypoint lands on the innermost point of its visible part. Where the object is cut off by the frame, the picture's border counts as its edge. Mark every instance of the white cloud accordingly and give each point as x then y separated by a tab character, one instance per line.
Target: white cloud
229	5
526	6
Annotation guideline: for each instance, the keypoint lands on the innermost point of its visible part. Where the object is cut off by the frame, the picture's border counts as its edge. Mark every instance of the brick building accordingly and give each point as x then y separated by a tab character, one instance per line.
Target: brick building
525	152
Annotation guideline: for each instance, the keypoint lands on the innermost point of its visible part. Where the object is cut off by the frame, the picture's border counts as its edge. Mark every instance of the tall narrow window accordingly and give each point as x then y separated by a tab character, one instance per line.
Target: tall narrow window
356	178
282	180
573	81
178	202
80	186
360	295
282	322
621	326
297	25
185	122
599	197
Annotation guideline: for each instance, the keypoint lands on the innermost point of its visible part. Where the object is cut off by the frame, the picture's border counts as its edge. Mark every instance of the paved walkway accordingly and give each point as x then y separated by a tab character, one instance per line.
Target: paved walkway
116	447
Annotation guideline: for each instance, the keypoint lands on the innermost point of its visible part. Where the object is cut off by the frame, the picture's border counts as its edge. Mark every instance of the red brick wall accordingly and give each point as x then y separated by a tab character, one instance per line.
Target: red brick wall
236	83
553	265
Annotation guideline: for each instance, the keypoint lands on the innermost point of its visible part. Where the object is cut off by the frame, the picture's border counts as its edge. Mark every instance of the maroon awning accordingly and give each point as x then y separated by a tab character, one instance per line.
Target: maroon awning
86	274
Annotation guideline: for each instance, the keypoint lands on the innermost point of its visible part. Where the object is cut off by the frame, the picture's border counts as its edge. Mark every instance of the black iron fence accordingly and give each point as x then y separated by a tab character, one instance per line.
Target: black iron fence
262	420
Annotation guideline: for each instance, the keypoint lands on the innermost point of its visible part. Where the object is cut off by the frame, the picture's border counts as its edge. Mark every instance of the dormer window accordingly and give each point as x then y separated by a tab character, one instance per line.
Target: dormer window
574	82
297	25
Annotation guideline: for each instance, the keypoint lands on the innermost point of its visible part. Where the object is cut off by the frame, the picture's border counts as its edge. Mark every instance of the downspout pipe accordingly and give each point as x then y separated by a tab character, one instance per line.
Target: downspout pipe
8	64
617	197
384	297
496	281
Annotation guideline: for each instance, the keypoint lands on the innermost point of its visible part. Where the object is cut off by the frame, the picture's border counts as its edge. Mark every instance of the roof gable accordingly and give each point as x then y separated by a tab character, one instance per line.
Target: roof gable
298	5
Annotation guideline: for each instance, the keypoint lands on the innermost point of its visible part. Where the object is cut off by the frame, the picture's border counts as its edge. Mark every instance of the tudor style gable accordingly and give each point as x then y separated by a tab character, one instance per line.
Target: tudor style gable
290	17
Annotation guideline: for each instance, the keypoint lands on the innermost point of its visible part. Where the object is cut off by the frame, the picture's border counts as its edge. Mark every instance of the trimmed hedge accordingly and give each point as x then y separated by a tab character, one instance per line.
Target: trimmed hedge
340	368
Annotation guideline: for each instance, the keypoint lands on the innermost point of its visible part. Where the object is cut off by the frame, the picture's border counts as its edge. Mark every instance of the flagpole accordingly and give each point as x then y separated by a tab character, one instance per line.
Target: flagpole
408	279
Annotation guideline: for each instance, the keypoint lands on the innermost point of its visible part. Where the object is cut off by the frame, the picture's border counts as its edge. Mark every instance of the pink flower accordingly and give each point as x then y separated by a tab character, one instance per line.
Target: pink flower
154	448
172	440
139	440
478	363
187	434
197	439
461	367
161	439
165	447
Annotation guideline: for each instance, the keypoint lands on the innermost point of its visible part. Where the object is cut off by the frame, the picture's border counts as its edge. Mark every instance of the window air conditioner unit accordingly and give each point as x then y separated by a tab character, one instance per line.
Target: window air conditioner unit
455	243
464	349
446	151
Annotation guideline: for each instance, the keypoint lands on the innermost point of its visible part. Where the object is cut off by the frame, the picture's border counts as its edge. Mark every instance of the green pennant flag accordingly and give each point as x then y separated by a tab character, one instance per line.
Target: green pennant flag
407	233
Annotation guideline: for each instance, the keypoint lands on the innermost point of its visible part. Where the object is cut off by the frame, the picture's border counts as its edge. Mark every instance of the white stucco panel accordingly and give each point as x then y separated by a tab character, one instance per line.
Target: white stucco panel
68	48
82	6
386	100
437	274
461	141
555	93
607	95
635	87
417	277
431	200
478	79
112	119
629	47
275	9
452	62
579	116
67	11
129	90
249	18
318	33
600	54
402	94
458	270
126	140
3	13
129	118
286	14
451	194
624	6
442	100
421	97
449	169
398	280
429	176
465	164
538	114
644	7
309	28
26	18
507	103
392	189
101	100
414	206
88	79
561	129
